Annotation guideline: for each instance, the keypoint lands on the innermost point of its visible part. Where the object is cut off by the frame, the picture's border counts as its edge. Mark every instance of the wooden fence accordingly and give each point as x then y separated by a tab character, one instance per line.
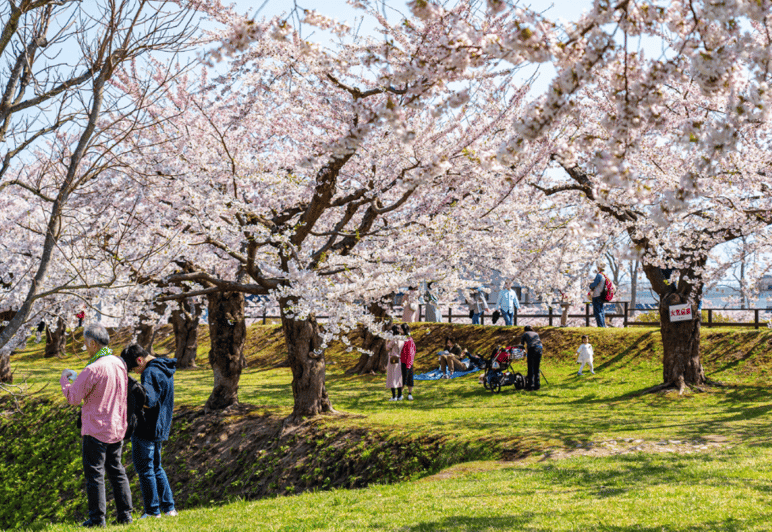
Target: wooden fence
552	317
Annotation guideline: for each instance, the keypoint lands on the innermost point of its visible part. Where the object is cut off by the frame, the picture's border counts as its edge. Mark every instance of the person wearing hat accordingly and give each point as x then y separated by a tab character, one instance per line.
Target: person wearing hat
157	377
102	387
477	304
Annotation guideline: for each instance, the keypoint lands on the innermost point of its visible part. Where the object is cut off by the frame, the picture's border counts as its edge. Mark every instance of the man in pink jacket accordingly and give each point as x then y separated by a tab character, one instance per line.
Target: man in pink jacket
102	388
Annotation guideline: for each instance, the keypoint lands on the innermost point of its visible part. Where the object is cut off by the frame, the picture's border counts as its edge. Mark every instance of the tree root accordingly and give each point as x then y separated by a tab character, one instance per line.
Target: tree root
293	422
657	388
681	387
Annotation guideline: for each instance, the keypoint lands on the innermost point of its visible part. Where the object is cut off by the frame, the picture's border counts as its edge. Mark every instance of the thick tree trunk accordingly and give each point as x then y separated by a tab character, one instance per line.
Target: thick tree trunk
185	324
6	376
306	359
56	341
375	361
228	333
681	363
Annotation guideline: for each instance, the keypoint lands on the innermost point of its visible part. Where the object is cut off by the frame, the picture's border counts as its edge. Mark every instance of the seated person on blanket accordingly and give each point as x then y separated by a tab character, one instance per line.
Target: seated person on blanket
450	359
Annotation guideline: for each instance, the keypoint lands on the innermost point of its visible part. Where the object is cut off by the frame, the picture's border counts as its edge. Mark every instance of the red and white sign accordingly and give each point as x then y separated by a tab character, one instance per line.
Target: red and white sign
681	312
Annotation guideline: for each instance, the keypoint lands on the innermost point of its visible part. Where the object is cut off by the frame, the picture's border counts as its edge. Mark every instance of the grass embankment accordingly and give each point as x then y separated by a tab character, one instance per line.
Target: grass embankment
591	454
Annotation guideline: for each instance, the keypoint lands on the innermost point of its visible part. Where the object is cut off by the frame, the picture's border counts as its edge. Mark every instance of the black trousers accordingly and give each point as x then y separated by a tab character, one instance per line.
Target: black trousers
532	379
100	458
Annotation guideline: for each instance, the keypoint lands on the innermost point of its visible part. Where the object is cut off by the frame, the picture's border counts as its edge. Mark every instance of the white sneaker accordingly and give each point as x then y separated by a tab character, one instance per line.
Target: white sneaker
172	513
410	397
400	398
580	373
145	516
592	372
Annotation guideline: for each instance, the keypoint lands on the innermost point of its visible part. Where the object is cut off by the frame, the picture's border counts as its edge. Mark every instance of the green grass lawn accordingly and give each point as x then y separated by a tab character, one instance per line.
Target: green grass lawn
594	454
726	490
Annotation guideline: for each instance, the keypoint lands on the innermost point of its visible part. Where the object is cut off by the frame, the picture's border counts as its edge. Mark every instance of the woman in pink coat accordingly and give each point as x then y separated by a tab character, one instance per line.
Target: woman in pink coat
410	305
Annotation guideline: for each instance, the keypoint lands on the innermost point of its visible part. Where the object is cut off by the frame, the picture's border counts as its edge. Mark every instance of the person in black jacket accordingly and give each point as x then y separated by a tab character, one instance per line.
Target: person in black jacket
531	340
157	376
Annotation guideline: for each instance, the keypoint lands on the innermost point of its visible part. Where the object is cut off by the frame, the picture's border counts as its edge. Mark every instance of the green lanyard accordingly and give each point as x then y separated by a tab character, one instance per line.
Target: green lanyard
101	353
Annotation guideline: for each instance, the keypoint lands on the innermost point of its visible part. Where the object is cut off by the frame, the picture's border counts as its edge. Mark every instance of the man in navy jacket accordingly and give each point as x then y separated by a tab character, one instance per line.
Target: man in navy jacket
157	377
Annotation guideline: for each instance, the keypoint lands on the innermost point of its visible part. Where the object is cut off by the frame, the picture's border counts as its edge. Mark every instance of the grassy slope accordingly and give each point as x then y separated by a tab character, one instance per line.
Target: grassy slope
616	492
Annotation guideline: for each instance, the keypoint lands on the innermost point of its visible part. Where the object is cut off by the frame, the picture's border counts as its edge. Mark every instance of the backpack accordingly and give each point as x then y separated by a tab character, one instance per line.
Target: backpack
135	415
608	290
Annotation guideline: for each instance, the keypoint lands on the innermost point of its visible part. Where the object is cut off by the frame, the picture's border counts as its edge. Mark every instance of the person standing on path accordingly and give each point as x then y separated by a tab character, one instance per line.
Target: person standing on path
507	303
102	387
596	289
477	304
430	299
410	305
532	342
157	377
407	357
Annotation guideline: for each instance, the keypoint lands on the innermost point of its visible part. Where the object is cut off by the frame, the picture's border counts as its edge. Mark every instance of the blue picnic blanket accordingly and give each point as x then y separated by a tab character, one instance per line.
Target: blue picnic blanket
436	374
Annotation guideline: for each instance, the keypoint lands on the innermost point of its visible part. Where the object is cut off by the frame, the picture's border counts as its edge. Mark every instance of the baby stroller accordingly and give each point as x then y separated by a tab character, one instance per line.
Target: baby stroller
498	369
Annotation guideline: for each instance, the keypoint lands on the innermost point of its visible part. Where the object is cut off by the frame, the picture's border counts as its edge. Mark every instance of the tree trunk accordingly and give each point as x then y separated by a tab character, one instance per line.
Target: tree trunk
56	341
306	359
148	326
6	376
185	324
681	365
375	361
228	333
633	285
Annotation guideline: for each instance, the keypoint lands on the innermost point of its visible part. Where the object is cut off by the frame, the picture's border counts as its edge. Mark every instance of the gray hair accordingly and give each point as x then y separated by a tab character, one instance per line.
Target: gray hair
97	333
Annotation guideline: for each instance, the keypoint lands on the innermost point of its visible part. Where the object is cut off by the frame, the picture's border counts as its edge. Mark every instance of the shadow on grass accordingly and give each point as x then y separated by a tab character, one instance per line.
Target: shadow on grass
471	524
462	523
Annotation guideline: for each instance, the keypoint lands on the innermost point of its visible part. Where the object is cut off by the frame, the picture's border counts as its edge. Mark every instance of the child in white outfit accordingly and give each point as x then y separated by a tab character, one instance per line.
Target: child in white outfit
585	355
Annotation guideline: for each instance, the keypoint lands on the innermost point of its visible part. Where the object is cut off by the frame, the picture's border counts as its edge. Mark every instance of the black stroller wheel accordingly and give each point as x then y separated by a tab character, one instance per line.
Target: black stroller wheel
494	385
485	383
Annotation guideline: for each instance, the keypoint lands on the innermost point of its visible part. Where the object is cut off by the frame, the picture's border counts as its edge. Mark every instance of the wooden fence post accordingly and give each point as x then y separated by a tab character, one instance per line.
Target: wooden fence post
710	317
586	314
755	318
514	322
627	308
550	316
450	314
264	311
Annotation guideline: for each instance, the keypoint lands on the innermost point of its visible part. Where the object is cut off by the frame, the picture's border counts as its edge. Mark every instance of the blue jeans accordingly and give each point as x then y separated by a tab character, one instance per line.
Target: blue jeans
598	311
476	318
156	492
508	317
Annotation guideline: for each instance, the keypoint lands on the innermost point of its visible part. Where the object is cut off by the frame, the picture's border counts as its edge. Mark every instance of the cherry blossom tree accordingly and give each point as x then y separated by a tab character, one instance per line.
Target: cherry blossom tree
328	177
57	120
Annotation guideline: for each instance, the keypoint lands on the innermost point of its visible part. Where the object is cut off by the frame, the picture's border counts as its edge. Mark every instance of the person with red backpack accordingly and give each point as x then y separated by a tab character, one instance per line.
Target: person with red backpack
597	292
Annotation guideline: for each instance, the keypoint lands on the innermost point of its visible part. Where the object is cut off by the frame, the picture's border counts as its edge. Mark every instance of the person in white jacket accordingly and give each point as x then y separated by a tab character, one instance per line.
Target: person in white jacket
585	355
